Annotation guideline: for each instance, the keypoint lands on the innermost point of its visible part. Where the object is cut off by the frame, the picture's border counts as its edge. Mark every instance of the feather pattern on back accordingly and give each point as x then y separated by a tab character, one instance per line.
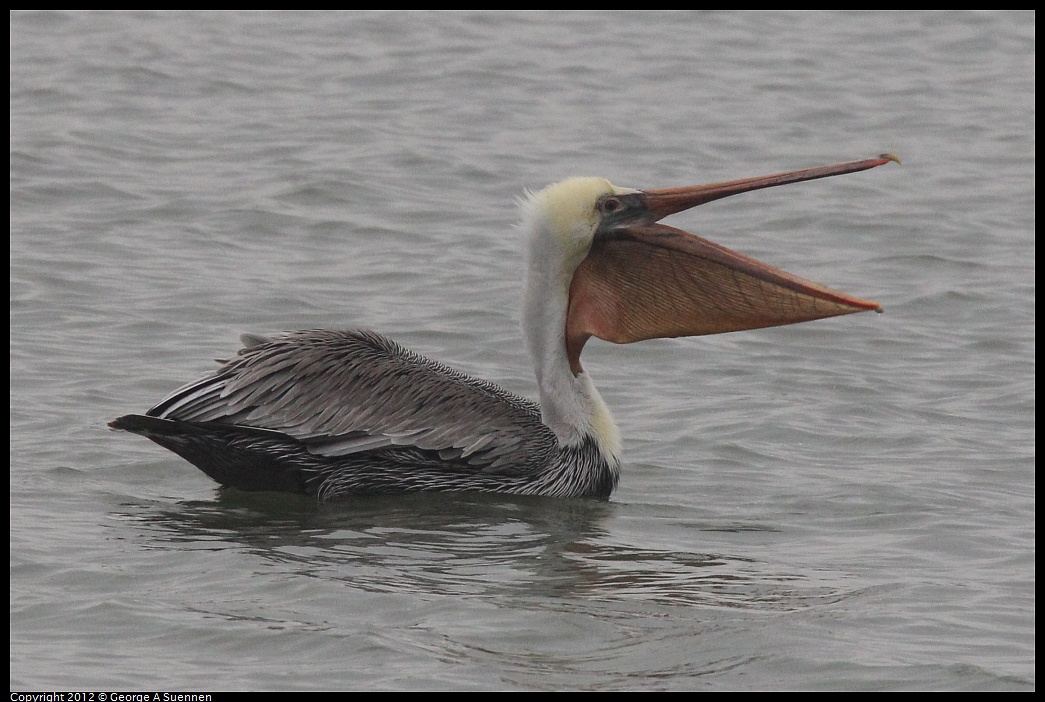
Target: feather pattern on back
346	392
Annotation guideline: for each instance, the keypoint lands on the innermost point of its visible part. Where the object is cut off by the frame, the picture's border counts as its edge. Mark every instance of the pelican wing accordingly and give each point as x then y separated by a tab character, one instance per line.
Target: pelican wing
345	392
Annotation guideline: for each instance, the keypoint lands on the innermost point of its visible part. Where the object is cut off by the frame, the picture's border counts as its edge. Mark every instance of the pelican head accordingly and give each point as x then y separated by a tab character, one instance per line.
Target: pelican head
568	214
599	255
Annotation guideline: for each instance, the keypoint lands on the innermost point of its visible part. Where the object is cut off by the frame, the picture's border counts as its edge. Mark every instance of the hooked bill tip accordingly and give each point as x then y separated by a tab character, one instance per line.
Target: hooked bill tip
891	157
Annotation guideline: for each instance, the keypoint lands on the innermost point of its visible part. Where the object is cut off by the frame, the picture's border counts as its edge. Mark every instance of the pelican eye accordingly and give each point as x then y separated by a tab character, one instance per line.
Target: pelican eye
610	205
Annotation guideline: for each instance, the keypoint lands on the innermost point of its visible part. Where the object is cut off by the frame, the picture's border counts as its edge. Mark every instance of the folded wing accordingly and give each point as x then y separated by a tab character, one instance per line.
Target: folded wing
347	392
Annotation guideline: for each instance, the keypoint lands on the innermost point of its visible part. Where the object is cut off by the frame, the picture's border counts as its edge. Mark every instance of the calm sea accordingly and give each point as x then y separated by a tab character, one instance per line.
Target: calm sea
847	504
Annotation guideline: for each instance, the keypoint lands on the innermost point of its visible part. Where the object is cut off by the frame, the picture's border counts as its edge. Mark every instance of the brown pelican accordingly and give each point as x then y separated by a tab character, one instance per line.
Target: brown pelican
337	413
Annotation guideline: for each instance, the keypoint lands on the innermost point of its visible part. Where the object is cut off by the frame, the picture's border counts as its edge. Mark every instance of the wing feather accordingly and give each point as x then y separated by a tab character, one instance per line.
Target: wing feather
346	392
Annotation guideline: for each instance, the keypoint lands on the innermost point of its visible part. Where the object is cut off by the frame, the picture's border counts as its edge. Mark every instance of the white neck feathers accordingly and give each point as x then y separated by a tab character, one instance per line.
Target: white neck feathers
560	221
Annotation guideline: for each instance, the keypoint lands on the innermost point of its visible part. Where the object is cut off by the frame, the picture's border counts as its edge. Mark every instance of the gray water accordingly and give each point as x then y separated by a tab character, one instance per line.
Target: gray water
845	504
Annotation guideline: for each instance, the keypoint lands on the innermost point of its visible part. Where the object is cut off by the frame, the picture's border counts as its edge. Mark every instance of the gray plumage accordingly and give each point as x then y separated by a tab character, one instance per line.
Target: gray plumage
333	413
